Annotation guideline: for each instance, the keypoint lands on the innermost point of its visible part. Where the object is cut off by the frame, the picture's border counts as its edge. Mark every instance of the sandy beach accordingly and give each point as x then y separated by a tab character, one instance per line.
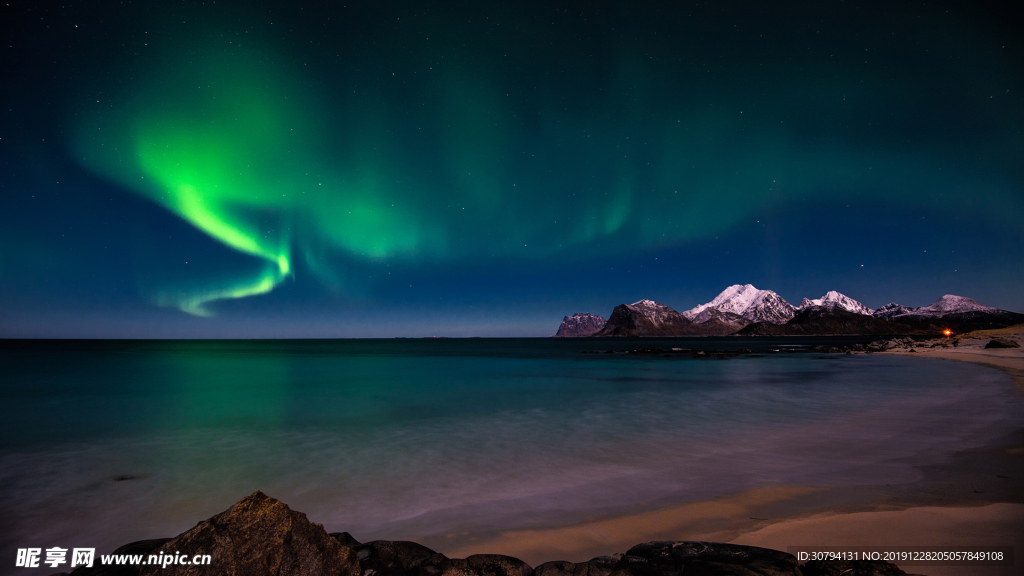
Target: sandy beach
977	499
972	349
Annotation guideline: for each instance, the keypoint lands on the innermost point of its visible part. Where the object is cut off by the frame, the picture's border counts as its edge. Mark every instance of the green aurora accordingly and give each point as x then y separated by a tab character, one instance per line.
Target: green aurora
225	154
460	162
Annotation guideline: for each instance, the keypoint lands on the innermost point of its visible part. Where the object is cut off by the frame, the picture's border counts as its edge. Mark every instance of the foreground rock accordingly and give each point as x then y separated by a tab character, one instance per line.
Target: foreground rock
1002	343
262	536
256	537
580	324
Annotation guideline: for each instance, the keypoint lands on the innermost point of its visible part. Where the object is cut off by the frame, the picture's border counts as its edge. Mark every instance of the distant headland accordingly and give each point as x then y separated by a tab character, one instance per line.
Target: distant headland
746	311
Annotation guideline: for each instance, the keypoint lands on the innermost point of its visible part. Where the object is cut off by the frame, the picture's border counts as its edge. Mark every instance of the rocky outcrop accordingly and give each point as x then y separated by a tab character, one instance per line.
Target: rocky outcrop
580	324
896	344
262	536
648	318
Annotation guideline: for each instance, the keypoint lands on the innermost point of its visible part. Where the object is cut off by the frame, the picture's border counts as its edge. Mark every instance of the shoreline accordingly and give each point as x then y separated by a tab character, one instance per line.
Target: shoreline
977	499
972	349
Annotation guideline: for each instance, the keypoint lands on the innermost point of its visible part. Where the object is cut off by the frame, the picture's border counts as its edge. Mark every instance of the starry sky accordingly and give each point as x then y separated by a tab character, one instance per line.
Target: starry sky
370	169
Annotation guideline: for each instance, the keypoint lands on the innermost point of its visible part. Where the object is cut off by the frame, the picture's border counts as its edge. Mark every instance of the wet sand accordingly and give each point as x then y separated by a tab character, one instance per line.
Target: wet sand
718	520
976	499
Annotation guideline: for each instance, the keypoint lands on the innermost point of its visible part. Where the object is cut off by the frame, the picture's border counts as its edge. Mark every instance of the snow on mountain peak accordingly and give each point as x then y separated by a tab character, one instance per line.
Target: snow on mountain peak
747	301
834	299
948	304
645	303
951	304
892	310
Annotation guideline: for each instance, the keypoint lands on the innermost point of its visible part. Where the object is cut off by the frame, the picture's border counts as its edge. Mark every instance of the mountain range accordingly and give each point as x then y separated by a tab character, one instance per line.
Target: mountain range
746	310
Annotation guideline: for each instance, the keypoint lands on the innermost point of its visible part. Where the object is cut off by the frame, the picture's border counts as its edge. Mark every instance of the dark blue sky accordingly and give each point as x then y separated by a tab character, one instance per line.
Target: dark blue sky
484	168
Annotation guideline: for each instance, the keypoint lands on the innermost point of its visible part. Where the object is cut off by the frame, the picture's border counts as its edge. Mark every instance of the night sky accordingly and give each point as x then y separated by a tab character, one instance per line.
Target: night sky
247	169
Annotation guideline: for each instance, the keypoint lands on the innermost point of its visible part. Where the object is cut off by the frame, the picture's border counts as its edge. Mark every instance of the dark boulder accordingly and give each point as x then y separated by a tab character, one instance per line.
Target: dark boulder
481	565
398	558
592	568
498	565
1002	343
258	536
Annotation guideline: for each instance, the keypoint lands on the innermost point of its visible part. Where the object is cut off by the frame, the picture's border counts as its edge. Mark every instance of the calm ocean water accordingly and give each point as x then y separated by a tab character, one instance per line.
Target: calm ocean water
104	443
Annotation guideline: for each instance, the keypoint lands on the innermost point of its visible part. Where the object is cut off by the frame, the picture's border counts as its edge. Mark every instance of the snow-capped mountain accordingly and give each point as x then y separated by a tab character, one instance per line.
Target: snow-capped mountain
833	299
950	304
749	302
957	313
892	310
581	324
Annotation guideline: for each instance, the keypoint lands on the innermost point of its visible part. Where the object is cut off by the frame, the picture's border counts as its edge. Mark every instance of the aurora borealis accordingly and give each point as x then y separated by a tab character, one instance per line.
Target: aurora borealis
238	169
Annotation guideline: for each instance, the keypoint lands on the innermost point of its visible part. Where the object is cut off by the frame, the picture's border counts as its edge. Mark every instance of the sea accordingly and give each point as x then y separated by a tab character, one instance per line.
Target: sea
108	442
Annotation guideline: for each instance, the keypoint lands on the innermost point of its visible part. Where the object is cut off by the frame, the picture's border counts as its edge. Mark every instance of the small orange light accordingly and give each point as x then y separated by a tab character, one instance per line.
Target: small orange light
947	332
